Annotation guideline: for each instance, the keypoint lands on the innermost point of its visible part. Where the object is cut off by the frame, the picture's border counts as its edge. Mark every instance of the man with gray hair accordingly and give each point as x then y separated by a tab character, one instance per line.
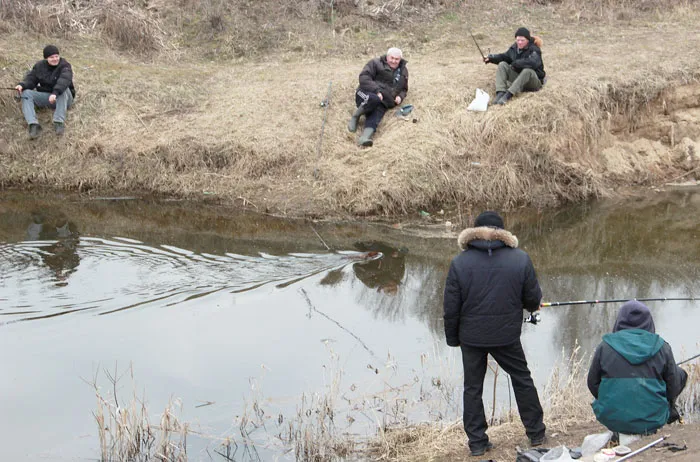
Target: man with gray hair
383	85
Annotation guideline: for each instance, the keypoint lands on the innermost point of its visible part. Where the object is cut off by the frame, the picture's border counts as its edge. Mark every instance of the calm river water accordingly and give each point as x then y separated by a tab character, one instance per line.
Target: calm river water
220	310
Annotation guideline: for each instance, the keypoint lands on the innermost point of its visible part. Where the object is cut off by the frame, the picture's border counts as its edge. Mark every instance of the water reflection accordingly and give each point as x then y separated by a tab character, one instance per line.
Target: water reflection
633	249
61	255
384	274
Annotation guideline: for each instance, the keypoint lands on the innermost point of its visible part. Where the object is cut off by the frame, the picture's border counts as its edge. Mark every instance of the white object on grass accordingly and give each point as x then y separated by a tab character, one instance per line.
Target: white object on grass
480	102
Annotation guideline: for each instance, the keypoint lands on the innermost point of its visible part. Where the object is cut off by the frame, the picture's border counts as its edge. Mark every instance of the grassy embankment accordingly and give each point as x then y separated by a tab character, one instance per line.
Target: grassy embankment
223	98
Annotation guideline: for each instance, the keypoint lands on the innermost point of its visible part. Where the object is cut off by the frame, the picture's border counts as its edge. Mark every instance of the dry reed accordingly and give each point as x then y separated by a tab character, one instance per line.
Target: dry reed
126	432
315	432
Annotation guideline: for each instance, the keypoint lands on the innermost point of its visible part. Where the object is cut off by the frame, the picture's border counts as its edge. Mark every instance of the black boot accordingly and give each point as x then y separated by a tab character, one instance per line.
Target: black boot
505	98
499	95
34	131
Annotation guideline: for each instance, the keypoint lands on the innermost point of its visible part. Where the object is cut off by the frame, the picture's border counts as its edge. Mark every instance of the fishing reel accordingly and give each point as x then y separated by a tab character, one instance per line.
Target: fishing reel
533	318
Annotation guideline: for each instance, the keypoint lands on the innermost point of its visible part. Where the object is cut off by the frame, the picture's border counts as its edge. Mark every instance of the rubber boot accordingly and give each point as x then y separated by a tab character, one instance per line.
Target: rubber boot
366	138
352	124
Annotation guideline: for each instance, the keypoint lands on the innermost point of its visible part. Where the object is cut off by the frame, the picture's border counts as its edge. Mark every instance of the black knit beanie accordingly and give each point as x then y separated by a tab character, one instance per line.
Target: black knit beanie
50	50
634	315
489	218
523	32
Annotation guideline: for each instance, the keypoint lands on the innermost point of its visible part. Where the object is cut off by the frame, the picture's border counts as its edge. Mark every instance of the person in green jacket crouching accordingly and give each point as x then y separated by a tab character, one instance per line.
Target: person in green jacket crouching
633	375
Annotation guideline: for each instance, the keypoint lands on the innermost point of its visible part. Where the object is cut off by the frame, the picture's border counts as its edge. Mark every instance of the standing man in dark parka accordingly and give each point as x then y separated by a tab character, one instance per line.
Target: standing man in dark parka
488	285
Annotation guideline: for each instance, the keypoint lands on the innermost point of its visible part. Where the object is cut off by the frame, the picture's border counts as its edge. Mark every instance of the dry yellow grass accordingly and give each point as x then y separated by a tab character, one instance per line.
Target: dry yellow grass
181	120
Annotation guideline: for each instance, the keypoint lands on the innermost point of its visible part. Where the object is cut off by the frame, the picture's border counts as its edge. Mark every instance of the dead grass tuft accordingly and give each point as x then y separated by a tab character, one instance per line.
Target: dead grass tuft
126	432
615	10
689	400
121	22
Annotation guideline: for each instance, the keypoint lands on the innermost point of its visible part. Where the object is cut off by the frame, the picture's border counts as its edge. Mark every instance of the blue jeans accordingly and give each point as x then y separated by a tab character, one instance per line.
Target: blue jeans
33	98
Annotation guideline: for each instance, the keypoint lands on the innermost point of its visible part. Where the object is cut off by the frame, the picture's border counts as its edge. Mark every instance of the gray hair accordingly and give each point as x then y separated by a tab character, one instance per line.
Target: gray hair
394	52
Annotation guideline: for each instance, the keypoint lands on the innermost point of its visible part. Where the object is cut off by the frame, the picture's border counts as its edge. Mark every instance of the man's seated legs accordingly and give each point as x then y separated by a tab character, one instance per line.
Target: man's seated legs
32	99
526	81
371	106
366	103
505	75
63	102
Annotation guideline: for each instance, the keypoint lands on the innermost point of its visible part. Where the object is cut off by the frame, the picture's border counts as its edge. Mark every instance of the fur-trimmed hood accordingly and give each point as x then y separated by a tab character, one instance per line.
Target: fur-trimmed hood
485	233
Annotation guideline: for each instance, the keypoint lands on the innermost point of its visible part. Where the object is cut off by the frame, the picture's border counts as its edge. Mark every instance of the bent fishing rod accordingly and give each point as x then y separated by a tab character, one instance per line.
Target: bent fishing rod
477	45
617	300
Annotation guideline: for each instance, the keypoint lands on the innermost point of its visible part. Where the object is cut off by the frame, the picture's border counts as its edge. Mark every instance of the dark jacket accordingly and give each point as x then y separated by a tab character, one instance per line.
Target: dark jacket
488	286
50	79
529	57
634	379
378	77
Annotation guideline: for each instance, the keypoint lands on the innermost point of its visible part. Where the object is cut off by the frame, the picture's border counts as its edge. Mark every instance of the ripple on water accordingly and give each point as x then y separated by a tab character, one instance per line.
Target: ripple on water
45	279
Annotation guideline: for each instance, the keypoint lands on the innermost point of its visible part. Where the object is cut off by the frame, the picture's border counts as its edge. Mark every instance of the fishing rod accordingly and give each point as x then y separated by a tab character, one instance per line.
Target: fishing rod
324	104
689	359
617	300
477	46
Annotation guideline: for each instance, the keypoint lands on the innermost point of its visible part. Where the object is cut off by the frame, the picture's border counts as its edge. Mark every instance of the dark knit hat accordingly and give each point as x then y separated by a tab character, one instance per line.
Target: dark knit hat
634	315
489	218
523	32
50	50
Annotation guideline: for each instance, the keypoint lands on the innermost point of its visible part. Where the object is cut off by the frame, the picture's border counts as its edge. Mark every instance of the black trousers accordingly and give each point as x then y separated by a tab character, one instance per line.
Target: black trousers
375	108
511	359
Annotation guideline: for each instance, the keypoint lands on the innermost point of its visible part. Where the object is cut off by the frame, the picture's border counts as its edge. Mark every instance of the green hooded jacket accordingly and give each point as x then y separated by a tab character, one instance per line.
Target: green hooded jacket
631	397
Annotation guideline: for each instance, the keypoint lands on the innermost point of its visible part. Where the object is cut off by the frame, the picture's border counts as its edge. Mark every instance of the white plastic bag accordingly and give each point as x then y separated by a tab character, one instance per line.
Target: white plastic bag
558	454
481	102
594	443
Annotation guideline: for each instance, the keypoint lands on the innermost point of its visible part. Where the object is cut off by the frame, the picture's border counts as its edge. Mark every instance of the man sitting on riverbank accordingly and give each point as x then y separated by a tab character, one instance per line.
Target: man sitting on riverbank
633	375
383	85
48	84
520	68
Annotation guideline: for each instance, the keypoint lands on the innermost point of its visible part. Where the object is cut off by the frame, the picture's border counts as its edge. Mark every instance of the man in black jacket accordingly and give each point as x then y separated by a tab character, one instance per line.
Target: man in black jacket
48	84
520	68
488	285
383	85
